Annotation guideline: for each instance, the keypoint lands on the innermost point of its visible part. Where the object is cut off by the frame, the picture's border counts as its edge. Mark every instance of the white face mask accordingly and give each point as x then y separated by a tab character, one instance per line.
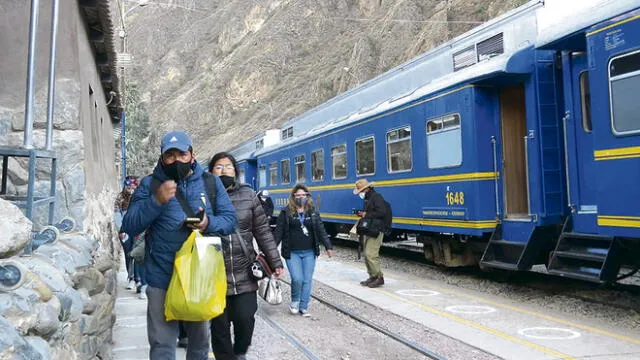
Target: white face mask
361	195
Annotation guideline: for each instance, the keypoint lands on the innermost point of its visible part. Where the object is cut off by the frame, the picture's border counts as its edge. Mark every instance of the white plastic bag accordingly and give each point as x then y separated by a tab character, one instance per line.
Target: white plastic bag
269	289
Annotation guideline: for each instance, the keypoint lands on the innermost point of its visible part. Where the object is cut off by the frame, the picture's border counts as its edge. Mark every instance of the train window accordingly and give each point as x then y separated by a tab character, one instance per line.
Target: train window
273	173
339	160
286	171
365	157
624	85
585	100
242	177
300	168
262	176
444	142
399	150
317	165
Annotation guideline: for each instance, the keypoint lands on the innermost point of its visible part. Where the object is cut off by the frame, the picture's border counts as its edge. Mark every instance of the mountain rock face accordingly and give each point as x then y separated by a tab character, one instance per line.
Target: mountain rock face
228	70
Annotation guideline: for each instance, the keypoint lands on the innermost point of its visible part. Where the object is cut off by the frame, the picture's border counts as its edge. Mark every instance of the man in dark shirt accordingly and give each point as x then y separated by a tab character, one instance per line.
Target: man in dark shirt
374	210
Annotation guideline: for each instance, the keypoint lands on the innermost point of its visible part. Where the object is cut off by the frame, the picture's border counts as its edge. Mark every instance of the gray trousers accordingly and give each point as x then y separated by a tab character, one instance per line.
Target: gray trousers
163	335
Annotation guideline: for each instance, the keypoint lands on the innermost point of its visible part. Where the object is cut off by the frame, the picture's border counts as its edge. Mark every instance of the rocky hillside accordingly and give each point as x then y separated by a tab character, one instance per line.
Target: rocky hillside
228	70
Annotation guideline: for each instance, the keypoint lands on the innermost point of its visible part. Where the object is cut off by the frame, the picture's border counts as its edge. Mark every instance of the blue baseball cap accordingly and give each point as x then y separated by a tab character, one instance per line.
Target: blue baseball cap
175	140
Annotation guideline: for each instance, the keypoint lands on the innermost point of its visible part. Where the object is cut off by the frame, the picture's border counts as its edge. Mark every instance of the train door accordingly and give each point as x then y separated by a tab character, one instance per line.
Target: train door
579	144
514	124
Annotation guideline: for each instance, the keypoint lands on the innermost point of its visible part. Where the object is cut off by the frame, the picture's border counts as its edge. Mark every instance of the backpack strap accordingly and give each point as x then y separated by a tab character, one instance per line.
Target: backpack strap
210	187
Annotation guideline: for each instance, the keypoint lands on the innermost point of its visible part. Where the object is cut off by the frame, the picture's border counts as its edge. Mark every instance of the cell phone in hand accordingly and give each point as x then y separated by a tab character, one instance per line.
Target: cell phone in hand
195	220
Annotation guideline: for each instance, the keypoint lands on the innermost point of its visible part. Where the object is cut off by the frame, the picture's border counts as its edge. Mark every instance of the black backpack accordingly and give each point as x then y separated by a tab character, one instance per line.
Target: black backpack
388	218
209	185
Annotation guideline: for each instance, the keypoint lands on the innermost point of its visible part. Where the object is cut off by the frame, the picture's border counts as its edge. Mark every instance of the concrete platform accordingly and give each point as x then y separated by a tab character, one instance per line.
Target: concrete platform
496	325
130	330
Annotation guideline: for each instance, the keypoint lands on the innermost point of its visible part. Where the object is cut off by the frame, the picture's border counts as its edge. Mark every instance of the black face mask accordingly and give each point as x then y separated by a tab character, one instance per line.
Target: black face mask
177	171
227	180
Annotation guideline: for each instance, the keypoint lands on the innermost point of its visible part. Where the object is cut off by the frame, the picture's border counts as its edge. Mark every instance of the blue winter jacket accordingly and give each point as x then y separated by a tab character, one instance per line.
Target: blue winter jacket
165	222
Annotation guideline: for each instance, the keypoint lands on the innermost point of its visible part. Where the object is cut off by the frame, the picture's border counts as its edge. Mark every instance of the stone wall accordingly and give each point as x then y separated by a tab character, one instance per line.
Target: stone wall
83	131
63	306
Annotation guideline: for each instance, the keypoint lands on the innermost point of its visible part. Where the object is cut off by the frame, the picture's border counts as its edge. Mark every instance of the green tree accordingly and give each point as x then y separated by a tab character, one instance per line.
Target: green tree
142	140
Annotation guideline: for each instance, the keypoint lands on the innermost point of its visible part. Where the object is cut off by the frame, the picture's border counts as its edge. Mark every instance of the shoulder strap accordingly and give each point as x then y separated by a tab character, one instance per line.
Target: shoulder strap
243	246
184	204
210	187
155	184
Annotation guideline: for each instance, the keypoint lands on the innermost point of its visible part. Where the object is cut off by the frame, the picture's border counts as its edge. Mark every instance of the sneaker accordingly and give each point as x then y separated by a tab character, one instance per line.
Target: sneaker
294	308
305	313
138	287
143	293
182	342
131	285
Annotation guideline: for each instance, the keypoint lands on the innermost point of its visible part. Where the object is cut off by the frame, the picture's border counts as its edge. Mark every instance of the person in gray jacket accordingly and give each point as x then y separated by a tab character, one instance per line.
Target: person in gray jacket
242	302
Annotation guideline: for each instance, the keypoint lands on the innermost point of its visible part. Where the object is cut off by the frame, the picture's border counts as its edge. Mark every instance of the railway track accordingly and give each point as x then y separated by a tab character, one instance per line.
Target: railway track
308	353
393	335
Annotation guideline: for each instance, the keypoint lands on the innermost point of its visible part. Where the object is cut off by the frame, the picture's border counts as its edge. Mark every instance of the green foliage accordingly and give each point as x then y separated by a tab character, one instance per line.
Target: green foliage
142	140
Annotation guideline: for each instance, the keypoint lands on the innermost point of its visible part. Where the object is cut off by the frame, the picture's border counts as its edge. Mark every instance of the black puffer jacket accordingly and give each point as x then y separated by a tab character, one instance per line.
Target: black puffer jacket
252	222
285	221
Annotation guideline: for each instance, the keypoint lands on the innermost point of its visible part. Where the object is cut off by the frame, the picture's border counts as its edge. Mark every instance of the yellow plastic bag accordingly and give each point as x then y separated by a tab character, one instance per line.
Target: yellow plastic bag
198	287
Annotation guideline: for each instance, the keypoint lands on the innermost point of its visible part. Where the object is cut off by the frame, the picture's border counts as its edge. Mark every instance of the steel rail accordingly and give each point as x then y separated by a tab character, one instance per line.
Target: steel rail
292	339
399	338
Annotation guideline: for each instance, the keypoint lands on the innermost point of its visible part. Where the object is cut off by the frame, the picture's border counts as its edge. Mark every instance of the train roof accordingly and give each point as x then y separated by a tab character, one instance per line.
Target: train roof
245	150
560	19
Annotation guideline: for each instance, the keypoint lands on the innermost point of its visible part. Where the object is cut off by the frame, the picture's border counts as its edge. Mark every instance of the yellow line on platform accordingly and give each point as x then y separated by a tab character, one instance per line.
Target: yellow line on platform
489	330
528	312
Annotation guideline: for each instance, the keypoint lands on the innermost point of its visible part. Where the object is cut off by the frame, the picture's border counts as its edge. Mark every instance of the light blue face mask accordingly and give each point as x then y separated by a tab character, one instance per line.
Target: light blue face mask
361	195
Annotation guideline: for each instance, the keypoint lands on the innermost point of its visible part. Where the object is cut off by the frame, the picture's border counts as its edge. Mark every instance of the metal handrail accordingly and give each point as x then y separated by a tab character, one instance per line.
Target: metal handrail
526	168
565	118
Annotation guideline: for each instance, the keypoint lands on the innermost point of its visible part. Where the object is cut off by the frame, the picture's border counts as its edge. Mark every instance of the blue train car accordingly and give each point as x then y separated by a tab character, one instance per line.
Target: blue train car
508	155
601	72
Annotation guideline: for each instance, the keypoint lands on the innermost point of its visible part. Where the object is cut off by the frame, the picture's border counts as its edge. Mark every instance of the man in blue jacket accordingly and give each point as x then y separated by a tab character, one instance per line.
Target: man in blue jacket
159	211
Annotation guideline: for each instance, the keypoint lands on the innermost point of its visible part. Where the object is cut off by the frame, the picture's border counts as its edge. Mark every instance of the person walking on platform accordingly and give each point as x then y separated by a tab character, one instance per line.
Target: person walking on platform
120	209
155	207
267	204
300	230
239	254
375	211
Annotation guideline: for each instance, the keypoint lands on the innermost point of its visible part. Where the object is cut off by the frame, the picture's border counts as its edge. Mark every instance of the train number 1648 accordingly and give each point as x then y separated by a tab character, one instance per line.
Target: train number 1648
454	197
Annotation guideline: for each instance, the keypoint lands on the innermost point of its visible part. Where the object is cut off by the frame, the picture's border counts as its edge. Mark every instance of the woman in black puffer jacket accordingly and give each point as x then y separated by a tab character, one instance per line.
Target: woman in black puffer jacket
242	302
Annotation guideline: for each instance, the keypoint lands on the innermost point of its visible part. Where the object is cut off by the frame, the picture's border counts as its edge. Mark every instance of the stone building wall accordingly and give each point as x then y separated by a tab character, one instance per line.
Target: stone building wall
62	308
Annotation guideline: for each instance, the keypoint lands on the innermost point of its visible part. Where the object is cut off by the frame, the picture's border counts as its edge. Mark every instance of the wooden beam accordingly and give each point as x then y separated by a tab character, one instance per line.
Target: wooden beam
96	35
102	59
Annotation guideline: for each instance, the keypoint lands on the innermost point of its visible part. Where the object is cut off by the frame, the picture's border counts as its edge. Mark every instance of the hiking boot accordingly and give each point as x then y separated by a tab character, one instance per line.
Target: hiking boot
377	282
367	282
